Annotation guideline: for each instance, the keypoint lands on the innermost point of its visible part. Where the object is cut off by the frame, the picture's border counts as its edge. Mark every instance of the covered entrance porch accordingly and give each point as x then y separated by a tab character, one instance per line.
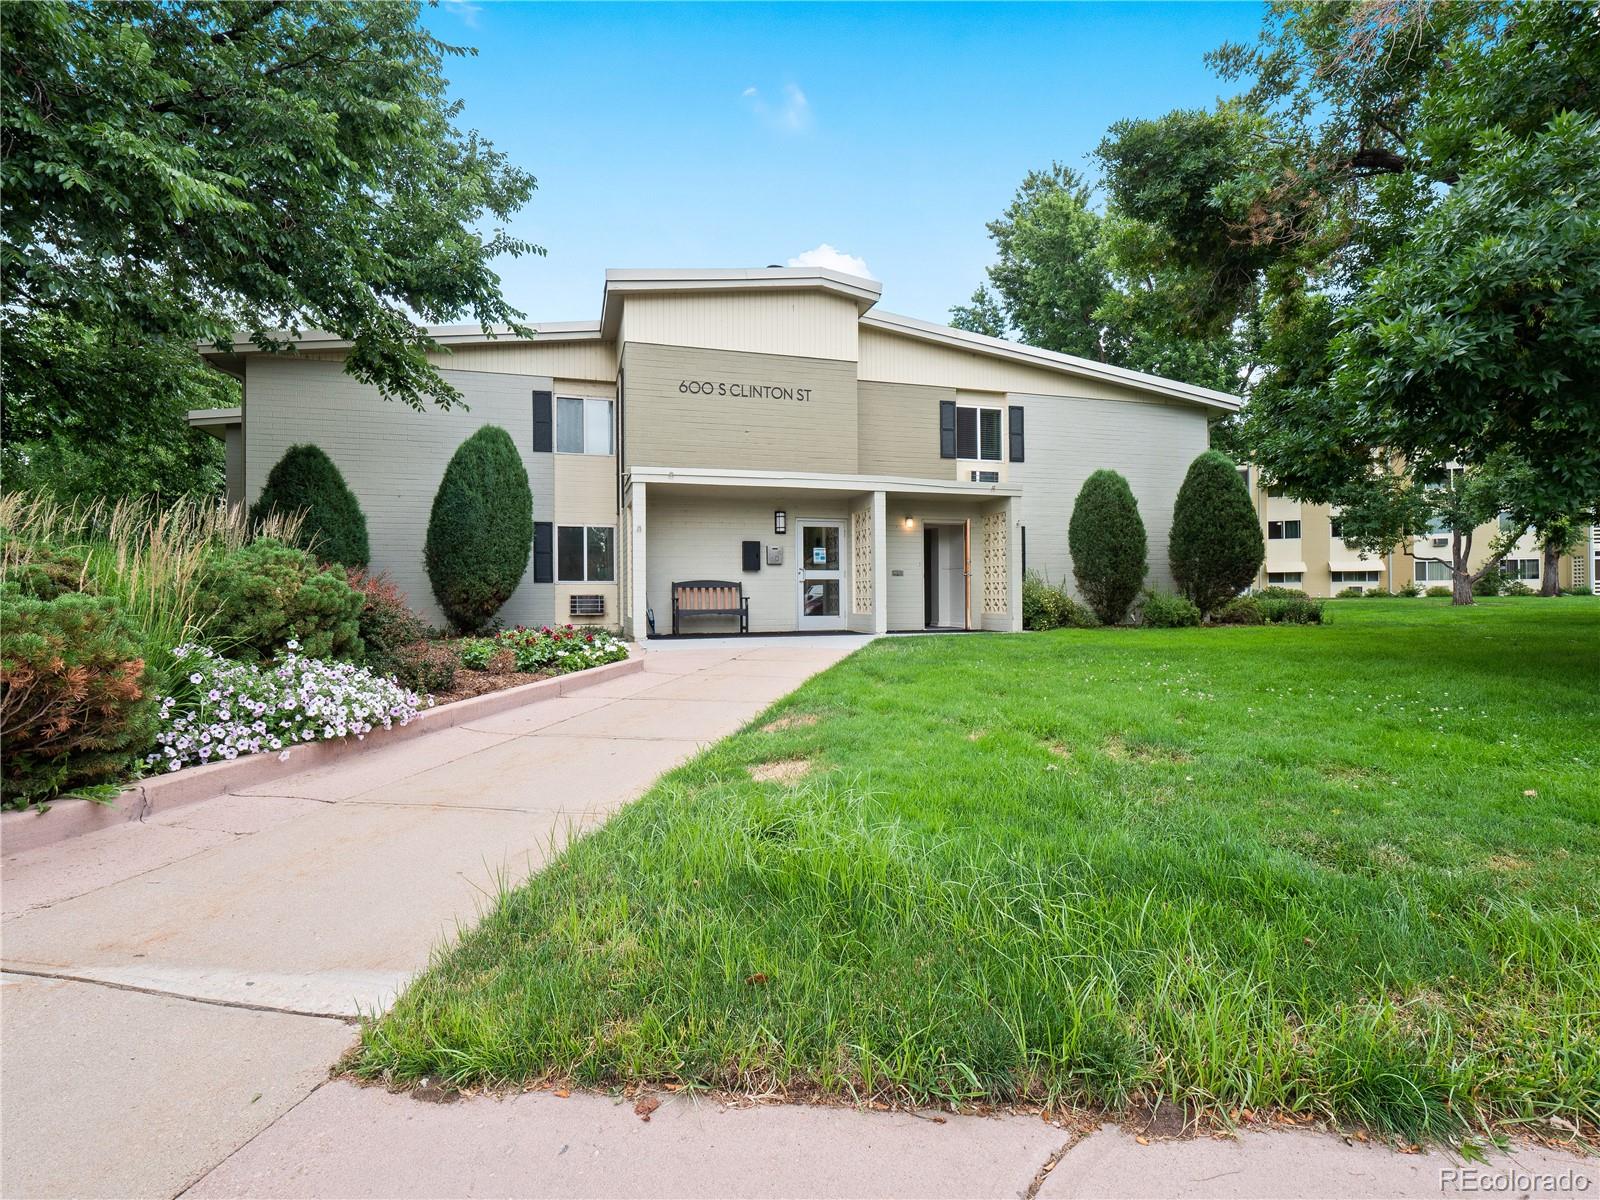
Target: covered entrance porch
816	553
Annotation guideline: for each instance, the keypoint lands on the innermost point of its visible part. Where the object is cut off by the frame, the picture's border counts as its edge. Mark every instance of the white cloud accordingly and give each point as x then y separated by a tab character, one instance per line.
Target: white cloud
834	260
792	114
466	10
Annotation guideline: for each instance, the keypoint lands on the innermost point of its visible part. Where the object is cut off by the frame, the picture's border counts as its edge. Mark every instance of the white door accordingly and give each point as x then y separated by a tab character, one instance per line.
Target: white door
819	557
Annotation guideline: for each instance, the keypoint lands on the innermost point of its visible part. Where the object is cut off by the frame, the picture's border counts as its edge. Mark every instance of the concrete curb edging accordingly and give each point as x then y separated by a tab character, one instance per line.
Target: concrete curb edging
29	830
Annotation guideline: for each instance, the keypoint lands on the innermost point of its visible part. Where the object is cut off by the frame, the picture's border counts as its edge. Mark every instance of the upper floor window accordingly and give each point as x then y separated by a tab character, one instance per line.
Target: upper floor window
1283	529
978	433
1335	527
583	426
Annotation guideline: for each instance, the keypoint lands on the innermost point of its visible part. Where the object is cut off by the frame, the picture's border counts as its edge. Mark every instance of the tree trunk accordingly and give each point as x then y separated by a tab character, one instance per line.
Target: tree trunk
1460	576
1550	583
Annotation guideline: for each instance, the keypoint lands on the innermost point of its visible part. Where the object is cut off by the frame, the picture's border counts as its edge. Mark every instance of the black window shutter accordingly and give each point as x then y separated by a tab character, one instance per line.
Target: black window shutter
543	558
966	433
947	429
541	423
1016	432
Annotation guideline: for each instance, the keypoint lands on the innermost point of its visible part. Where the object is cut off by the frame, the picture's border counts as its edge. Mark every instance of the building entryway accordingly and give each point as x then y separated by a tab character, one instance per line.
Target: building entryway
946	568
819	568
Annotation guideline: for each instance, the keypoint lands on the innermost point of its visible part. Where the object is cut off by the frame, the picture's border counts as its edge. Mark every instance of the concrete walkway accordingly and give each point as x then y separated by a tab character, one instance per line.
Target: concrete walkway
175	993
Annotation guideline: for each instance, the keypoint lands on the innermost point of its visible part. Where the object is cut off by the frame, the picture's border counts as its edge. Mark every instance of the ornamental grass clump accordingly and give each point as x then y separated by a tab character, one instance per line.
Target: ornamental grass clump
227	708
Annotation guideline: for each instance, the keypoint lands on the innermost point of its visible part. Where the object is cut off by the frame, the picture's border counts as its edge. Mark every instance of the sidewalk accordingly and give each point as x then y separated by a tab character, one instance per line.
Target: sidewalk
176	991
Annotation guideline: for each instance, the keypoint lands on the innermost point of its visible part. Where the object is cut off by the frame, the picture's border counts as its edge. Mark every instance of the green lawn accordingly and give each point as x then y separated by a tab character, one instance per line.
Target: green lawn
1351	870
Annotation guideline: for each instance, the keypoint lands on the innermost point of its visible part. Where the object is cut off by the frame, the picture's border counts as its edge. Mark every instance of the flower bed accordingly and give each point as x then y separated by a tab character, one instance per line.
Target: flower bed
551	651
230	708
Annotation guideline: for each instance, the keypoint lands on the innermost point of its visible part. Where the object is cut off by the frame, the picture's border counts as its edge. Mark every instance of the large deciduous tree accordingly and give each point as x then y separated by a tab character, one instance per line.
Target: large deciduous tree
1406	194
176	172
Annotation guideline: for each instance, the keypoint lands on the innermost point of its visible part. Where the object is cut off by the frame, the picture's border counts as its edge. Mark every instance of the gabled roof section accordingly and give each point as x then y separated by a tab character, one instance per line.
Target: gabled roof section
1048	360
621	284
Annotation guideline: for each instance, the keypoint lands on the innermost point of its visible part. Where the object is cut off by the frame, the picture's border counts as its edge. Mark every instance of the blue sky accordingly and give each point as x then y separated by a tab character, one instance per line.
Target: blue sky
679	135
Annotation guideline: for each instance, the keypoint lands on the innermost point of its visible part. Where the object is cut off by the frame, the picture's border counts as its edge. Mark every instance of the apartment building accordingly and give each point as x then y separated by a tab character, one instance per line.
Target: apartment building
844	467
1305	551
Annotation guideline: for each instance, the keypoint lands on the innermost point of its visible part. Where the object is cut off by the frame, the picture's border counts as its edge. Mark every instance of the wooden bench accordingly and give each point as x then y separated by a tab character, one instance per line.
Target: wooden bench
710	598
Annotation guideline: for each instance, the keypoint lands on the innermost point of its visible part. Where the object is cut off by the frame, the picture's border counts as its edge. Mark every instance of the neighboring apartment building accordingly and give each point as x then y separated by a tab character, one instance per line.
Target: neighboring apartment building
1305	551
849	468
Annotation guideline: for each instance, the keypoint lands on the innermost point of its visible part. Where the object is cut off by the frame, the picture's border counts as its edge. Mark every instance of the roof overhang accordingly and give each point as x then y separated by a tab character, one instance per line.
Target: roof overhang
721	477
621	284
215	421
1049	360
444	335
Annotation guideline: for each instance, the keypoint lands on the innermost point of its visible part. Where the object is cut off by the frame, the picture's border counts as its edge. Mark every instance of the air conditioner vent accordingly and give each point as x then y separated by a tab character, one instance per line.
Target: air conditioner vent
588	606
986	477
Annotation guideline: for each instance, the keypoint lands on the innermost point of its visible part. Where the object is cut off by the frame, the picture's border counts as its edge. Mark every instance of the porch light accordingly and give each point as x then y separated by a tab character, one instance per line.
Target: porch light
909	522
780	521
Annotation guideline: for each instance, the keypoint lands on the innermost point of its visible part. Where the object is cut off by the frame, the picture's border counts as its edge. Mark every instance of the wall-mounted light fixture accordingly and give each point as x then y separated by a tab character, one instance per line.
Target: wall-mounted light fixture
909	522
780	521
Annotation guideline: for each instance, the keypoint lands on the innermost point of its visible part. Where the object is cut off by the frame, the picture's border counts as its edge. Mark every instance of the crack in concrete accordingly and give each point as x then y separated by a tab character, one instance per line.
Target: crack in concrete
1050	1164
148	991
184	1190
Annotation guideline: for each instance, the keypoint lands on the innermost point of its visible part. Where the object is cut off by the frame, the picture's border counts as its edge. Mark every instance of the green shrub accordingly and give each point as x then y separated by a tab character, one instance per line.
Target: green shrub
1490	585
1375	593
1440	590
306	480
477	653
42	570
1516	588
1242	610
1275	592
1410	590
1292	610
1349	593
1216	548
386	622
267	594
421	666
1048	606
76	708
1164	610
1107	542
481	529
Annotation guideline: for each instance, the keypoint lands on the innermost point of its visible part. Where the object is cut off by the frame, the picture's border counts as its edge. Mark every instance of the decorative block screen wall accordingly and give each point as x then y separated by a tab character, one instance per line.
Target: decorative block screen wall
861	560
996	567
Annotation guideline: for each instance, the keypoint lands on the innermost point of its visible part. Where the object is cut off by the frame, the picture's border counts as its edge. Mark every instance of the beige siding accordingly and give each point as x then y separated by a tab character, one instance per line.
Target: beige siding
892	358
898	431
799	324
586	489
393	457
699	536
666	427
1152	446
595	360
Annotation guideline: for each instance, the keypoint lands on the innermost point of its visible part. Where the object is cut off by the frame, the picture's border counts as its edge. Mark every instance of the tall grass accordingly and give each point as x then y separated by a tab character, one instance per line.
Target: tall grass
149	555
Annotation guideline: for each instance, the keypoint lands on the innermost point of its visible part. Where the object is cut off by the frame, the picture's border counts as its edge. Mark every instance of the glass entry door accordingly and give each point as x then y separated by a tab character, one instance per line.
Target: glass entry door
819	553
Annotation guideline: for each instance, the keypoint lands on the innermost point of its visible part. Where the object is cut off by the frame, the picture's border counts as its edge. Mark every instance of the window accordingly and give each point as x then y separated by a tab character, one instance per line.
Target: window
1283	577
1335	527
978	433
1521	568
583	426
1431	570
1355	576
586	554
1283	529
1244	474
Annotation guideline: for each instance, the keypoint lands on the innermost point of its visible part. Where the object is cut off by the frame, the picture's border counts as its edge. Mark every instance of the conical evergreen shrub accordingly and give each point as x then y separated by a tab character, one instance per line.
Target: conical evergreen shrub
481	529
1216	548
335	528
1106	537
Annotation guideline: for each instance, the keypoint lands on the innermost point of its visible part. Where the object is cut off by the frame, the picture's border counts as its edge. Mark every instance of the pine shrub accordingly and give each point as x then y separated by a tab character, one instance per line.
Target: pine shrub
1164	610
1107	541
76	709
266	595
1216	548
481	529
305	479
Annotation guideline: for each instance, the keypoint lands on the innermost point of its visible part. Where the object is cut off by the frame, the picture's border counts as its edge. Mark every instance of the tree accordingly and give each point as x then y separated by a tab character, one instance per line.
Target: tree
1405	196
480	530
1216	547
87	417
178	172
1555	539
1050	274
1107	541
306	480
